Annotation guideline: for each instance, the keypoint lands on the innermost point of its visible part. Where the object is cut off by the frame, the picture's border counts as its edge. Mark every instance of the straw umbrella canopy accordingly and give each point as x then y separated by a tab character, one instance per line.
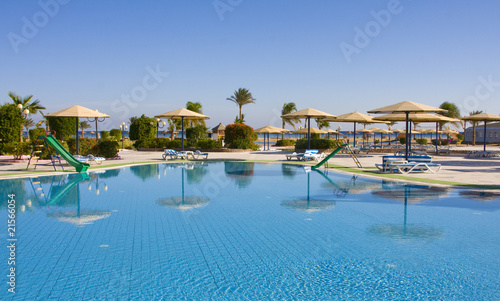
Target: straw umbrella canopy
269	129
407	107
381	131
308	114
182	114
310	130
483	117
364	131
77	111
419	117
354	117
330	131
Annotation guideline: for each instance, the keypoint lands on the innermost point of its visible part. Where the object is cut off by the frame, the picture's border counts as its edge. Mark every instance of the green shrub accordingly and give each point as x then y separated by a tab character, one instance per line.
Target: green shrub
106	148
62	127
142	128
195	134
10	124
315	136
104	134
34	133
460	137
18	149
376	141
116	133
402	140
209	144
157	143
85	146
240	136
318	143
422	141
285	142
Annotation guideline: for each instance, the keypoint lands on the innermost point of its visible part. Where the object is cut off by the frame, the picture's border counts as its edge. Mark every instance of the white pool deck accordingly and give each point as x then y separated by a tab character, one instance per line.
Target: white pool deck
455	167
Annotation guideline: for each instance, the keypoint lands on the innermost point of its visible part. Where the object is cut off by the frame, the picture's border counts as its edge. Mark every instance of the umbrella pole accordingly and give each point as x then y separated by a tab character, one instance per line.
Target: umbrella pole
406	152
309	132
484	132
355	134
437	138
182	132
77	135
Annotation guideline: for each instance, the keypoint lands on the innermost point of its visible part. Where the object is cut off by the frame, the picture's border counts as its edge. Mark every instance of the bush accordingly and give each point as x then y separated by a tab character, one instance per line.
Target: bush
318	144
106	148
10	124
64	127
402	140
116	133
85	146
104	134
460	137
315	136
142	128
285	142
240	136
18	149
376	141
157	143
195	134
209	144
34	133
422	141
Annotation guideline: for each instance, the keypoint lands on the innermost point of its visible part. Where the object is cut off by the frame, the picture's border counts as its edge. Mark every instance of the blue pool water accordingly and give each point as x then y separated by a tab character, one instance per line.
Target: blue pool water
247	231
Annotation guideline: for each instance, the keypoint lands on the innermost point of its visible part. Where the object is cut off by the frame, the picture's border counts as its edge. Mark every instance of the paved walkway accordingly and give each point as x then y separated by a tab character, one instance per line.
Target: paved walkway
455	168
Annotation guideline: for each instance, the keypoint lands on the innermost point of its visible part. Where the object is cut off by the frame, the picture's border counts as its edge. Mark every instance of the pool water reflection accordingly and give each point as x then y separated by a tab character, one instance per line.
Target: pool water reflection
239	230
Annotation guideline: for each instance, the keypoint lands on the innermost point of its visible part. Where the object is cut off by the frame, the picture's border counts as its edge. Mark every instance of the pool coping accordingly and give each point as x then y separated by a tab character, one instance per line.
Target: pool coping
370	172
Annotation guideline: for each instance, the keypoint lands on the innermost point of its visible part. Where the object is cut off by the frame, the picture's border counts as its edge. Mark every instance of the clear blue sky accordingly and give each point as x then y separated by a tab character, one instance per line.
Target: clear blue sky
335	56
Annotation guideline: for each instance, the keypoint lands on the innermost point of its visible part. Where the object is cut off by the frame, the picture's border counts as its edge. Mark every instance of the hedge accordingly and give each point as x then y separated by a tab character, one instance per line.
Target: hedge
318	144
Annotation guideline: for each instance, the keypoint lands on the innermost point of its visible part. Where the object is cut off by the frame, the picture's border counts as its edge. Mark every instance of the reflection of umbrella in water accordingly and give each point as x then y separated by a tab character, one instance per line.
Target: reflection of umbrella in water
308	205
480	195
408	231
78	217
183	202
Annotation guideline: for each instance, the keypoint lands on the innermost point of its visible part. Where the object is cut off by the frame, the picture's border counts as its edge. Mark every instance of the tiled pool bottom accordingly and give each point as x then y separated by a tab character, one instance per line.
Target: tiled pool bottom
236	231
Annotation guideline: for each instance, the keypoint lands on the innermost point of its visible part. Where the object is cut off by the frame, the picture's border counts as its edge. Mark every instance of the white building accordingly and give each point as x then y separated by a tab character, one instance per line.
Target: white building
492	133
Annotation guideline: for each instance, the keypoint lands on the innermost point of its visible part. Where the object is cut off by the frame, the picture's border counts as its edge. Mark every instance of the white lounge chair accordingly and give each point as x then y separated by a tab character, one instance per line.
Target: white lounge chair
197	154
173	154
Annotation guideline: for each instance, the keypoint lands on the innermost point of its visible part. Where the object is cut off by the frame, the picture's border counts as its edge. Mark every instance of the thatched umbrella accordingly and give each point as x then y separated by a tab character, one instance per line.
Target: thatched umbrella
483	117
354	117
269	129
419	117
407	107
182	114
77	111
308	114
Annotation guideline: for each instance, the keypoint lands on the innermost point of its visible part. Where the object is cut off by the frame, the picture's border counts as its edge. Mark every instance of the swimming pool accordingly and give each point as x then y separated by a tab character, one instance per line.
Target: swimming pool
239	230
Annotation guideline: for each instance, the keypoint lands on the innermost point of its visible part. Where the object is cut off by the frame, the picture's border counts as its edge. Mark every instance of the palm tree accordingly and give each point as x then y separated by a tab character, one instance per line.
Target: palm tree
26	104
195	107
287	109
474	124
241	97
321	123
83	125
173	126
453	112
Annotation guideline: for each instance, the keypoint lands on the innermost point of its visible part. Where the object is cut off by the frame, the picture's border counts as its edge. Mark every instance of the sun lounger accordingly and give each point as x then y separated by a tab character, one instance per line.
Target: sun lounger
295	155
407	167
197	154
397	164
89	159
174	154
311	154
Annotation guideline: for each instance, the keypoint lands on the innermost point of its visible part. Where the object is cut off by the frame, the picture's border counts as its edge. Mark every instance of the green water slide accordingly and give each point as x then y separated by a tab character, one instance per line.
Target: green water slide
79	166
338	149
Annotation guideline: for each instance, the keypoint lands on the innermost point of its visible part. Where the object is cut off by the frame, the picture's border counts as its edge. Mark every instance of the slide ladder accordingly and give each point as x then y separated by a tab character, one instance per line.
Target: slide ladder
353	156
36	153
325	160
